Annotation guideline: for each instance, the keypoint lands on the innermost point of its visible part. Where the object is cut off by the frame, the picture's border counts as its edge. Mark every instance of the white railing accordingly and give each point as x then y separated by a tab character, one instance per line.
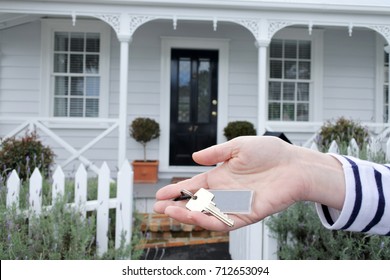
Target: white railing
46	125
123	203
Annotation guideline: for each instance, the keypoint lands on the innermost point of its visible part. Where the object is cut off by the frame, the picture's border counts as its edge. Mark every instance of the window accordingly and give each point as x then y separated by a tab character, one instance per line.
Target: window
76	74
75	68
290	65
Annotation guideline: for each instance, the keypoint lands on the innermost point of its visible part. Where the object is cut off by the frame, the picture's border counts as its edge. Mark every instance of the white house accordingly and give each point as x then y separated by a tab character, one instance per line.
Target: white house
81	71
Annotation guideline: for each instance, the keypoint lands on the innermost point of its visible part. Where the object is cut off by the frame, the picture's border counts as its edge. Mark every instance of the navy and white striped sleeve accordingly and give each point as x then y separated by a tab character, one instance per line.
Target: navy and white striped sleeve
367	199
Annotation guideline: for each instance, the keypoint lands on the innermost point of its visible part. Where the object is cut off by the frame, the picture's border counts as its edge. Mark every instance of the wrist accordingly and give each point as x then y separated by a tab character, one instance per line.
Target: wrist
324	180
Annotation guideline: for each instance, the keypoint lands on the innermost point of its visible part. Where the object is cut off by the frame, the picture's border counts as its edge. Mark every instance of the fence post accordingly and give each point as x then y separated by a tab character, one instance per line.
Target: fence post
388	150
353	148
35	198
80	191
124	207
58	186
334	148
13	189
102	209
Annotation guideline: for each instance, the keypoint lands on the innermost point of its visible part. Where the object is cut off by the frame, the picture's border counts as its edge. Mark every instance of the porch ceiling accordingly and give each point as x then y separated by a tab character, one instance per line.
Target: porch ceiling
8	20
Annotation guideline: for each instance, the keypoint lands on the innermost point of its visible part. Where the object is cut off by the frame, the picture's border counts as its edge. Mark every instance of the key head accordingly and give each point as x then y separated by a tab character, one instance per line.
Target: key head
200	200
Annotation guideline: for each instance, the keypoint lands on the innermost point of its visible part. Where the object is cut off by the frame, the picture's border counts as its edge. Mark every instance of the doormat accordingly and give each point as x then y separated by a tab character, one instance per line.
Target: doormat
178	179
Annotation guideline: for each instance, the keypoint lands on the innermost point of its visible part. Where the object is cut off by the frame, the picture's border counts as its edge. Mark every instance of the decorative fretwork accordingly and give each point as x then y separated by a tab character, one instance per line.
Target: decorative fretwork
131	21
384	30
252	25
111	19
137	21
275	26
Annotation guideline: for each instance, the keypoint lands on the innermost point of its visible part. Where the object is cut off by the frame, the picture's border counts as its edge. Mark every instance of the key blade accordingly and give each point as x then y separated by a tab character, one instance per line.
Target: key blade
213	210
202	201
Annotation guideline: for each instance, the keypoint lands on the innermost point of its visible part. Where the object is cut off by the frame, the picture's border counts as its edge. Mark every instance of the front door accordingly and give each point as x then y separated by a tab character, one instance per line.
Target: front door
194	103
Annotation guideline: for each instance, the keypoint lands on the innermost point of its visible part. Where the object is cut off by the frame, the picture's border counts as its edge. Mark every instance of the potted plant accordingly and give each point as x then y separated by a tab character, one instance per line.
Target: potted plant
238	128
143	130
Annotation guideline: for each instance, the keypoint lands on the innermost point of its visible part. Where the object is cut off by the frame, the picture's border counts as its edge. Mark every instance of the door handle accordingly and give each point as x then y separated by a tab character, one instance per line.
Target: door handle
214	113
214	102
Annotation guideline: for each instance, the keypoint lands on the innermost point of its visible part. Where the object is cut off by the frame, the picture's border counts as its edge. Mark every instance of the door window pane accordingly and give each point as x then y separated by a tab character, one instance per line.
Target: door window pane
204	87
184	90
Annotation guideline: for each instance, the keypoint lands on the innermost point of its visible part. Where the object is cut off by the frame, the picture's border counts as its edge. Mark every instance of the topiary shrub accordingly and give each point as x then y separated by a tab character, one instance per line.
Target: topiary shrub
342	131
238	128
144	130
24	155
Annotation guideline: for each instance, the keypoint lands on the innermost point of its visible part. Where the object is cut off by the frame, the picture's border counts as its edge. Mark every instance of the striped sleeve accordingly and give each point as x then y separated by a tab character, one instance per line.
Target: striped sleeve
367	200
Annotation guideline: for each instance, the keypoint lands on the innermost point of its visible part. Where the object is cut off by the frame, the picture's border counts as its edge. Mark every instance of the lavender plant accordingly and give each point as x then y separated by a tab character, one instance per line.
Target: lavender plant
59	233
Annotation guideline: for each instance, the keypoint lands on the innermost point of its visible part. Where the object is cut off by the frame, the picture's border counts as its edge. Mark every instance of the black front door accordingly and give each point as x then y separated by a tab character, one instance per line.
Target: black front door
194	103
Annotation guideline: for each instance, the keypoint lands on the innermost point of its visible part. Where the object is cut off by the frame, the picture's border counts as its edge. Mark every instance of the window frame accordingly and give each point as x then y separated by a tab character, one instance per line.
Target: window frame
316	77
48	29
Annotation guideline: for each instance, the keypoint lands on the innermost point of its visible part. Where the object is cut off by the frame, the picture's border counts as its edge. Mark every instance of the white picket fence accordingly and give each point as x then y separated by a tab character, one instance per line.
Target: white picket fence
123	201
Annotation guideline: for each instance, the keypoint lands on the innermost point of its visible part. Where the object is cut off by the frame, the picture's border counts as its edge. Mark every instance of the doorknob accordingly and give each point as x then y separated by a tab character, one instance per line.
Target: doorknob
214	102
214	113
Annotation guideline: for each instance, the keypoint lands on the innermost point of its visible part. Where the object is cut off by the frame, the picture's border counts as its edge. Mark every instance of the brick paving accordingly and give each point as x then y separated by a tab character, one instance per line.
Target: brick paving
160	231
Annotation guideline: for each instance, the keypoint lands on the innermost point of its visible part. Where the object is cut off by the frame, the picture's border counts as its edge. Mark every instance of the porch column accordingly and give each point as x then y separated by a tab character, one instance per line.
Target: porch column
125	41
125	38
262	46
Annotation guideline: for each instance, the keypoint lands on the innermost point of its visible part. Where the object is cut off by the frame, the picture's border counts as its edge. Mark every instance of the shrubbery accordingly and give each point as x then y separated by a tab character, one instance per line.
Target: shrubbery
24	155
342	131
238	128
60	232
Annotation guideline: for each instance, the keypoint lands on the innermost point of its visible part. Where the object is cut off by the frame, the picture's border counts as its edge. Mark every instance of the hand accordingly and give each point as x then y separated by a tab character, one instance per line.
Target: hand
279	173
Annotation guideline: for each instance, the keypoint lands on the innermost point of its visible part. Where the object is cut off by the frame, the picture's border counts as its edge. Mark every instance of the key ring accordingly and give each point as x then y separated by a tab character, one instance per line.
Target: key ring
184	194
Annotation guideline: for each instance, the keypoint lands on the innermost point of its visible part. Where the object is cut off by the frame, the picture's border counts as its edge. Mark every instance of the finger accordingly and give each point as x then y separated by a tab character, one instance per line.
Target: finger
174	190
160	206
196	218
214	154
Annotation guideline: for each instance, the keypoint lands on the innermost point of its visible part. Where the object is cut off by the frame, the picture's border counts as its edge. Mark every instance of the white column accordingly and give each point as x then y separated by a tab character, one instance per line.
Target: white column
262	85
123	82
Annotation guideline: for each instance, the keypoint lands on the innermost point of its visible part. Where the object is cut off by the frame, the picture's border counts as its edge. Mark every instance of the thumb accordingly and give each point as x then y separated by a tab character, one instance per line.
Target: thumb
214	154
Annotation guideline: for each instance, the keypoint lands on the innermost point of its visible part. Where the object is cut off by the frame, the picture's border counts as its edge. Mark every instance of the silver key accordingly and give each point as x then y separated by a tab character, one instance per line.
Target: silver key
202	201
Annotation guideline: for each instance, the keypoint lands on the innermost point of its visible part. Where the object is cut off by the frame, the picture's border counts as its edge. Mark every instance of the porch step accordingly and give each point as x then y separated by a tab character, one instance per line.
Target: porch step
161	231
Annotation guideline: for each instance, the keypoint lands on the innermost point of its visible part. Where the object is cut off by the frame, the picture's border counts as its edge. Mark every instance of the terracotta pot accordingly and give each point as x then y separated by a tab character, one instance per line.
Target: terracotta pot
145	171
